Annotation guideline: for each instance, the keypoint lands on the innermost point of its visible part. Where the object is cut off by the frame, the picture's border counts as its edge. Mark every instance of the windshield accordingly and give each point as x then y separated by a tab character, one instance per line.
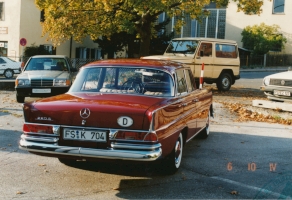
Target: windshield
182	46
52	64
127	80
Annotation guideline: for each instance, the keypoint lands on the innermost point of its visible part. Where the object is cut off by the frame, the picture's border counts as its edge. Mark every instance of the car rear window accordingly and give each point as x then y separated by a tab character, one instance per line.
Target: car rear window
127	80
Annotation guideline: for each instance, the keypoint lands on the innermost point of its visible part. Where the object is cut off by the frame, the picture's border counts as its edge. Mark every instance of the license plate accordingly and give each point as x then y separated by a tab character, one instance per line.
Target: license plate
41	90
85	135
282	93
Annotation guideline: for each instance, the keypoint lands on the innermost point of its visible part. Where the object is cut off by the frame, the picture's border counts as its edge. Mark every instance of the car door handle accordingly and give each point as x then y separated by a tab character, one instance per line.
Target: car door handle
196	100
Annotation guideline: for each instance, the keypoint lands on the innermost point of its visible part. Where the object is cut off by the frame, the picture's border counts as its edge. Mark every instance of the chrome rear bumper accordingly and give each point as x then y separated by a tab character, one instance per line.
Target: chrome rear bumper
122	151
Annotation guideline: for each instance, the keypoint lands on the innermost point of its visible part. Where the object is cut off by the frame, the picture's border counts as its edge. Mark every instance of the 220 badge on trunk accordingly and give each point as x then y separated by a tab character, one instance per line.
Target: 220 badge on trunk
88	135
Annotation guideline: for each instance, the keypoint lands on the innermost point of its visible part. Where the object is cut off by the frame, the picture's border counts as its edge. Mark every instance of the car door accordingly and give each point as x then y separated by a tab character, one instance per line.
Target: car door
2	65
189	98
204	55
190	104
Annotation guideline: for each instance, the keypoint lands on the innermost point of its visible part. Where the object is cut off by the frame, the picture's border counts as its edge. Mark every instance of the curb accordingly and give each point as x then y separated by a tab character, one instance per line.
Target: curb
278	69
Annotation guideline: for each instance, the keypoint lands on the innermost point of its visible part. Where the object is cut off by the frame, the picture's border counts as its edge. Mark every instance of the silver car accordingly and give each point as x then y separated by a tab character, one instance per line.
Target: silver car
278	86
9	67
44	76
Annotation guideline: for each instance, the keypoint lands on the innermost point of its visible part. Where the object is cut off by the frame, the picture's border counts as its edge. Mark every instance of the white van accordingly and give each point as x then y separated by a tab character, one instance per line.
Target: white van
220	58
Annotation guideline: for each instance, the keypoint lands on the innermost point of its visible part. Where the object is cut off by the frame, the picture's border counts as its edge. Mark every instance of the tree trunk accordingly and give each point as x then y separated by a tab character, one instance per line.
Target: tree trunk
145	45
143	27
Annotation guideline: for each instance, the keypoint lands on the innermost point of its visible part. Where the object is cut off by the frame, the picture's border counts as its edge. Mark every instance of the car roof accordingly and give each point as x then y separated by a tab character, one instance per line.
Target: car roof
206	39
49	56
149	63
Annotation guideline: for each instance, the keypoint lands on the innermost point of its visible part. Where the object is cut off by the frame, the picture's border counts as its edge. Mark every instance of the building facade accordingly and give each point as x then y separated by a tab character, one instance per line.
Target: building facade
274	12
227	23
20	23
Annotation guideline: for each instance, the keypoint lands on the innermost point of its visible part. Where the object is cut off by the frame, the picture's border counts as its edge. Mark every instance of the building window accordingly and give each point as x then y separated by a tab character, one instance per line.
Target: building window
212	26
1	11
42	19
278	6
3	48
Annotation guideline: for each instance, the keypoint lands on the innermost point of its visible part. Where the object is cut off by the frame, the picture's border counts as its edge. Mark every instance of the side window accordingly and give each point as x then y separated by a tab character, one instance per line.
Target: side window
181	82
2	18
226	51
91	80
1	61
190	80
42	18
205	50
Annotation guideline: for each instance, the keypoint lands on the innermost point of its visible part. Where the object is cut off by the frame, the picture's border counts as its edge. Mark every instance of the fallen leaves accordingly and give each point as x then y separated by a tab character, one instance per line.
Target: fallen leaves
19	192
248	115
234	192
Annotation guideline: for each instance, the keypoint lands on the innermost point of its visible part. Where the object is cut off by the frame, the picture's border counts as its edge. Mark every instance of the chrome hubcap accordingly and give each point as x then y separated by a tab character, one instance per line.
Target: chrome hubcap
8	74
178	151
207	124
225	82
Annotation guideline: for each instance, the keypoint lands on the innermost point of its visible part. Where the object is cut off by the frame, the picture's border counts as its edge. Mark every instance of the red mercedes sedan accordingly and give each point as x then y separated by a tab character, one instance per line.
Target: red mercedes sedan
123	109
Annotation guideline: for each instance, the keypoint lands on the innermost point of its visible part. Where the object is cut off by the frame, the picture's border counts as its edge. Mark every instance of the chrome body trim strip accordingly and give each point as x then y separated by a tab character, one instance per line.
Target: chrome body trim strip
196	134
116	145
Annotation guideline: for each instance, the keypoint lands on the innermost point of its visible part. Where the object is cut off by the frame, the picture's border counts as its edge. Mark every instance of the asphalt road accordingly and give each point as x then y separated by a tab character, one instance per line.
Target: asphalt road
238	161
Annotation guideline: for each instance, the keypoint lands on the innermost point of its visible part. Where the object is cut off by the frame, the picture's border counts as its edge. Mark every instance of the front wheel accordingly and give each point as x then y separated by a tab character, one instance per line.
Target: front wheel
224	82
173	161
8	73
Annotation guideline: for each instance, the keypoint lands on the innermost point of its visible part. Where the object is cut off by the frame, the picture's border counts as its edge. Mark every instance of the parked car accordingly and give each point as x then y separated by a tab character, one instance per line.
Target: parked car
278	86
44	76
219	56
128	109
9	67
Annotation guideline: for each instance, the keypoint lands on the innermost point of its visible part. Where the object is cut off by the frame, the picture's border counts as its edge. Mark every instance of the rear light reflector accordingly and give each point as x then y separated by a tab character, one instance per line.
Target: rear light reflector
36	128
143	136
128	135
151	137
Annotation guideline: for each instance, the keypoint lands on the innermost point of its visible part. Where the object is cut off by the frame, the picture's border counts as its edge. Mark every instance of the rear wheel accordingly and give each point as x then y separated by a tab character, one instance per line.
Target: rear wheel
224	82
8	73
20	99
173	161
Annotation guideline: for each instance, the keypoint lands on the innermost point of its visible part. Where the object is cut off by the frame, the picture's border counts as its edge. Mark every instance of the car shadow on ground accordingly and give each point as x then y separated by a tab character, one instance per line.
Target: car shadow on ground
126	168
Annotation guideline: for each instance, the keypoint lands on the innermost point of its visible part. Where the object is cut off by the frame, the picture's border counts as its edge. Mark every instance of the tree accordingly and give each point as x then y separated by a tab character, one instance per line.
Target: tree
158	44
35	50
81	18
115	43
262	38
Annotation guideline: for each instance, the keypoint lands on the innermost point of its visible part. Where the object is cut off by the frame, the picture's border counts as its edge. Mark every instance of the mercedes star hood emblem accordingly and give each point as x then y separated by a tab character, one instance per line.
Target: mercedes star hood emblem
84	113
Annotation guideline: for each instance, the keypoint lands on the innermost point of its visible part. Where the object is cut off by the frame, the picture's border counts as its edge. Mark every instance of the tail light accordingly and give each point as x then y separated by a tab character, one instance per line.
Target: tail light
36	128
129	135
151	137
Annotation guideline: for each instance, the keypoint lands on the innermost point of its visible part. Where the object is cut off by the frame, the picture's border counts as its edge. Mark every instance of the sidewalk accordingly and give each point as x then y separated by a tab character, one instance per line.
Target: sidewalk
266	69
